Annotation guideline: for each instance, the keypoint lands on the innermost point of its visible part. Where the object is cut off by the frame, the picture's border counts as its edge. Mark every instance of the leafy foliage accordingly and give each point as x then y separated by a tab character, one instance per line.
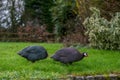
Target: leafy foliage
28	33
10	14
106	7
103	34
34	34
39	12
82	9
61	13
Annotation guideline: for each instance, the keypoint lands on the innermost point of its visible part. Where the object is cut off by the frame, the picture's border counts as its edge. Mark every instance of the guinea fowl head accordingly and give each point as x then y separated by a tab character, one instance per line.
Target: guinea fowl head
85	54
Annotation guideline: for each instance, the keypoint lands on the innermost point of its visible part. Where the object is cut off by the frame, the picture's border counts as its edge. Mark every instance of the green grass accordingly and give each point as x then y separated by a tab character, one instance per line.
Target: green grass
13	66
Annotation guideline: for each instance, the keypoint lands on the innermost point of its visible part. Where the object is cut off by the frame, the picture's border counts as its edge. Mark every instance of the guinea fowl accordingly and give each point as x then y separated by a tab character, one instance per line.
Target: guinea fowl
33	53
68	55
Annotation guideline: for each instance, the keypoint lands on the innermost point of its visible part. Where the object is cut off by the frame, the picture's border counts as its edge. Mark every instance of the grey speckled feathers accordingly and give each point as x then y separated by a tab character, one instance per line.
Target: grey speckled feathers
68	55
33	53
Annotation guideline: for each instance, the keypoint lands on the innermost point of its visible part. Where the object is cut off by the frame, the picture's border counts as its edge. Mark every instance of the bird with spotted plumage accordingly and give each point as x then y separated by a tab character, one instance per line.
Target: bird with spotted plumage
68	55
34	53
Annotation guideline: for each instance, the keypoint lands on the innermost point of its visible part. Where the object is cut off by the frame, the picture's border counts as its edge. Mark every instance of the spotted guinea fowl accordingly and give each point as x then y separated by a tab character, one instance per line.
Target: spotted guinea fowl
33	53
68	55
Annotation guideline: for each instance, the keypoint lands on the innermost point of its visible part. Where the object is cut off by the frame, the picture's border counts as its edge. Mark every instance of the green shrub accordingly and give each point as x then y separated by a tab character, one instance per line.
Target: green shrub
63	17
103	34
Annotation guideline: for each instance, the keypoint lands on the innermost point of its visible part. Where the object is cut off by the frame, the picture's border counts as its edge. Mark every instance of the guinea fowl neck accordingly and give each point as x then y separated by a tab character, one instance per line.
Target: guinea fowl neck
82	56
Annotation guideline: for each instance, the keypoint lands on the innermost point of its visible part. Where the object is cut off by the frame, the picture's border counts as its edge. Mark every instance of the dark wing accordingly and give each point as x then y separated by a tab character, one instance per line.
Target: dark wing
57	56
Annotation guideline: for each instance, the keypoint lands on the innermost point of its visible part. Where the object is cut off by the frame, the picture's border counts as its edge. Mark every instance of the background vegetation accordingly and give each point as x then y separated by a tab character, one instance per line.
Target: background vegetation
102	33
53	20
59	21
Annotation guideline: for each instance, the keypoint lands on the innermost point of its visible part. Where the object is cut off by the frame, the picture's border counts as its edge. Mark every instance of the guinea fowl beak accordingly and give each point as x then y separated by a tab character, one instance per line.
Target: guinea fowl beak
85	54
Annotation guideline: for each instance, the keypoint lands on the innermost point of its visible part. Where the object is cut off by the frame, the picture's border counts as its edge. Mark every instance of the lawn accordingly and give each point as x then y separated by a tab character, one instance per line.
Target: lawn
13	66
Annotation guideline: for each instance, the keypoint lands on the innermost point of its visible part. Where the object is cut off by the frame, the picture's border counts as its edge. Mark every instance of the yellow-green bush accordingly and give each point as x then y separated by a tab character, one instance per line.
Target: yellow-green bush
103	34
